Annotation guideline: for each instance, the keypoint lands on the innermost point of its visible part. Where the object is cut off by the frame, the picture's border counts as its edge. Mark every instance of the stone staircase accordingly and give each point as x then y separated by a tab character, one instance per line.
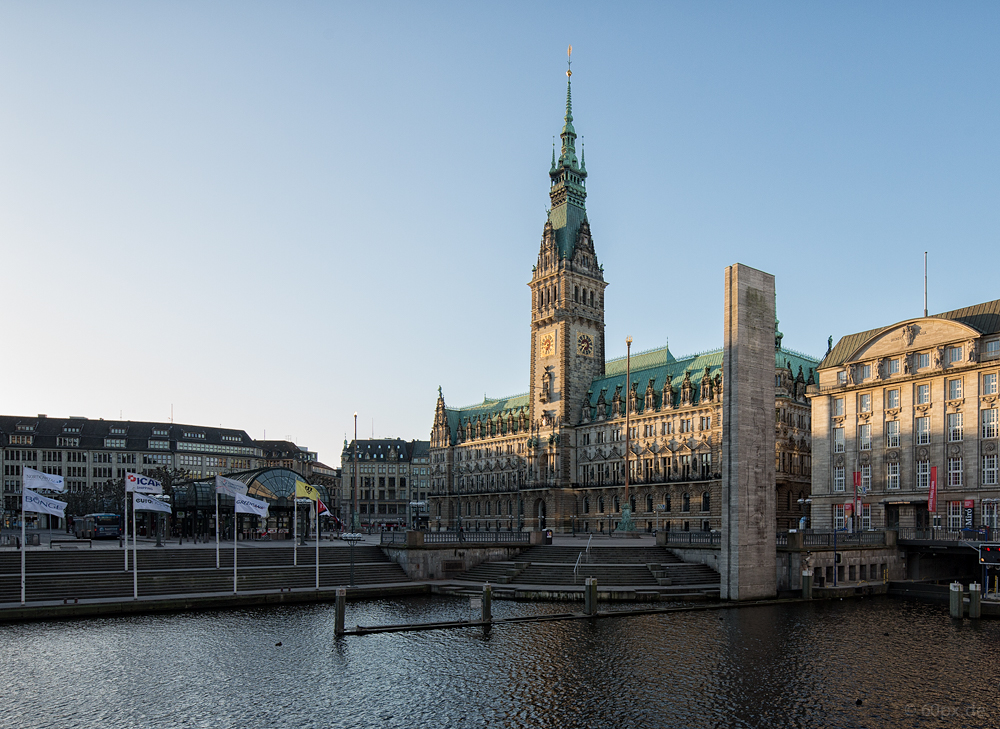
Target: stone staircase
101	574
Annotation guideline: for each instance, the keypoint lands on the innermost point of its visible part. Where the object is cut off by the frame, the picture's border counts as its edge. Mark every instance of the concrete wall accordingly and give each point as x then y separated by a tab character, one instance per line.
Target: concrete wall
706	556
748	510
436	563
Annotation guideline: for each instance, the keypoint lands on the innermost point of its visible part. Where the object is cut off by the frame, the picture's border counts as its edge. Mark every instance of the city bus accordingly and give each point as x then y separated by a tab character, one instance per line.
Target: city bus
97	526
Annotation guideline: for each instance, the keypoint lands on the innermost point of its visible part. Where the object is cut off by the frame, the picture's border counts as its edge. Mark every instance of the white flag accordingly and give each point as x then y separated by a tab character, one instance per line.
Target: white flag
42	504
141	502
37	480
229	486
137	483
249	505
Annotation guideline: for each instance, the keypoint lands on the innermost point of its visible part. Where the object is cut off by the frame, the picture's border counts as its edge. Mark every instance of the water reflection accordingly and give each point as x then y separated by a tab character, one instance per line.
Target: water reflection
800	665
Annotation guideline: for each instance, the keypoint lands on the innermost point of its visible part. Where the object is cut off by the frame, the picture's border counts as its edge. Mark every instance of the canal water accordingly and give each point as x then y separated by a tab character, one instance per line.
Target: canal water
802	665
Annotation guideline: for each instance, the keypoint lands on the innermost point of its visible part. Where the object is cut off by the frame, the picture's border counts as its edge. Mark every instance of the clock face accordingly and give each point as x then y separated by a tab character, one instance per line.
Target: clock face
585	345
548	344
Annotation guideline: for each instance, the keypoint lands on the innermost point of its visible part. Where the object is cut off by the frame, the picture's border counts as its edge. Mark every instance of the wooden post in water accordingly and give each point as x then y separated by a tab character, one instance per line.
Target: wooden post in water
956	606
487	603
338	625
975	600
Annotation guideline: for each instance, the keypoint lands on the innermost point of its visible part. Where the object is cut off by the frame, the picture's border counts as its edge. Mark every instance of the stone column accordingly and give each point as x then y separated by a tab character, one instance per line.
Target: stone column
748	555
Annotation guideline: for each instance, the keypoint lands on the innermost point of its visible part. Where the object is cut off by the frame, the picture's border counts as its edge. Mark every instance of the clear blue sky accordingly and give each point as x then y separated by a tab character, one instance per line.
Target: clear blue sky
270	215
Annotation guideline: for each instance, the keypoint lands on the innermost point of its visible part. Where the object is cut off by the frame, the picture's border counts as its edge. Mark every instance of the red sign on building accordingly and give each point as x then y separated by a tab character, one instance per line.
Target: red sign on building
932	496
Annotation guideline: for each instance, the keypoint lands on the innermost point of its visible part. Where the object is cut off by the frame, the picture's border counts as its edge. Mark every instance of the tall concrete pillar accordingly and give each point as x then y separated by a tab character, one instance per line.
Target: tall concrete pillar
747	561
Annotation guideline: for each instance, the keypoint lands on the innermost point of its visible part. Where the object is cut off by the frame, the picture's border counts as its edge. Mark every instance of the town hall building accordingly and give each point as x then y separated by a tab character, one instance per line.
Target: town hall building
555	457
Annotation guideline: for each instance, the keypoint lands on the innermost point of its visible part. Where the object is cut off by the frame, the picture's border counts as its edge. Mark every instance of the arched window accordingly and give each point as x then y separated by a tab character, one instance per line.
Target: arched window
649	502
576	293
586	504
686	502
705	503
618	506
479	508
600	504
666	502
631	504
802	500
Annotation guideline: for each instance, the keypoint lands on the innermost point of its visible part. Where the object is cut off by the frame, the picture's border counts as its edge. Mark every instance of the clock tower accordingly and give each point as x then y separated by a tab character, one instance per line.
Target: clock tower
567	307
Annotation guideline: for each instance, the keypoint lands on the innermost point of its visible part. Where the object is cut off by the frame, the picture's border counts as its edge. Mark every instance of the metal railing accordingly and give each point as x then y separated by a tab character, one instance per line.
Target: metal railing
477	537
702	539
781	539
928	534
845	539
393	538
576	567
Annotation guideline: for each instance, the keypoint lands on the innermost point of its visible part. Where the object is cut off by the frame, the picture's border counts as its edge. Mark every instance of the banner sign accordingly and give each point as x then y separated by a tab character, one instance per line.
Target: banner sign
249	505
969	509
141	502
42	504
857	479
230	486
848	509
306	491
37	480
932	496
139	484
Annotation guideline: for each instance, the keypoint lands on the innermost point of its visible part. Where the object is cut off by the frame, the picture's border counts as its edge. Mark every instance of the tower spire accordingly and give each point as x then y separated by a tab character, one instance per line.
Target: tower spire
568	178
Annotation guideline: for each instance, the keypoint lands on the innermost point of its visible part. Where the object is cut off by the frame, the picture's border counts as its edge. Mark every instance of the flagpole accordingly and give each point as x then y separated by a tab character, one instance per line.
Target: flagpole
316	535
216	527
125	518
235	542
135	556
295	529
22	541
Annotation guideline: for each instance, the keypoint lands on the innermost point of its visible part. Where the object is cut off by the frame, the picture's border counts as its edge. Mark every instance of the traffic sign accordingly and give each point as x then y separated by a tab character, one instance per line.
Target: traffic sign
989	553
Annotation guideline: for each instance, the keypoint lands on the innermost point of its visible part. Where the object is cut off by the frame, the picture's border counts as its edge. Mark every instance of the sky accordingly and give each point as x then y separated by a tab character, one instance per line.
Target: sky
272	215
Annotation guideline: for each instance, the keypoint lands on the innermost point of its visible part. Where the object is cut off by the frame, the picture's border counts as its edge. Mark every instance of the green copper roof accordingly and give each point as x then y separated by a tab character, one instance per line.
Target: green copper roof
489	407
568	185
656	364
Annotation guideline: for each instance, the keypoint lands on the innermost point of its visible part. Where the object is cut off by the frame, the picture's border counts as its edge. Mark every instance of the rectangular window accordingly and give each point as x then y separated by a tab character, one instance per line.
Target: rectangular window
865	437
114	442
162	445
838	516
923	360
893	366
892	399
955	432
865	372
866	477
892	434
922	432
990	470
866	517
63	442
954	516
923	474
838	478
865	402
160	431
923	394
838	407
838	440
989	423
992	349
841	378
990	384
955	471
954	389
953	354
892	475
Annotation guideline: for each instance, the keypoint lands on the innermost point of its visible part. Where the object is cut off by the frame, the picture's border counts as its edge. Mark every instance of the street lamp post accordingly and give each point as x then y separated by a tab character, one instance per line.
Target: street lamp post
355	525
626	524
